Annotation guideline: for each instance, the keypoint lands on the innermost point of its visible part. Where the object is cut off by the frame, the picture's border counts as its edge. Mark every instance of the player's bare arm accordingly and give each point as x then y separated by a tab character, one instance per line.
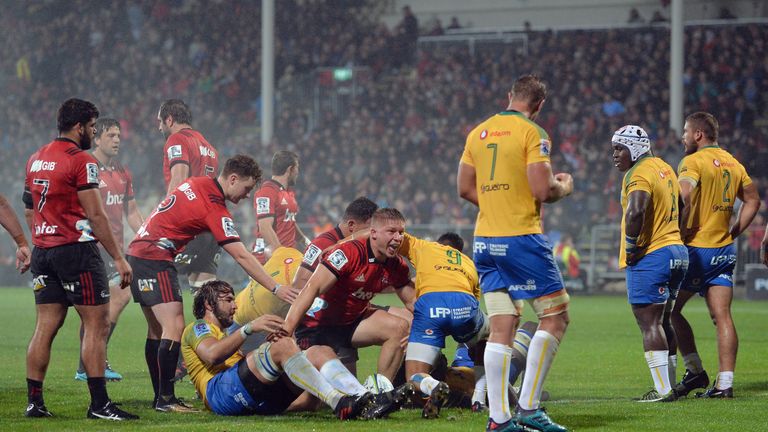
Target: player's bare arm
466	185
179	173
213	351
300	234
319	283
133	216
547	187
90	199
638	202
751	199
686	189
11	224
268	233
255	270
407	295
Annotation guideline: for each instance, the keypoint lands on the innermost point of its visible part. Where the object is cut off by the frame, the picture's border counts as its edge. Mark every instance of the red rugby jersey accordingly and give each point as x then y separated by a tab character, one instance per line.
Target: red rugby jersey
278	202
360	277
318	246
197	205
54	175
116	187
188	146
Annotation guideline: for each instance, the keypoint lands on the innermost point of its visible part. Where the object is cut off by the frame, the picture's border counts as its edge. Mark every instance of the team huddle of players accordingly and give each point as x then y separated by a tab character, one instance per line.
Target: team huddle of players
289	340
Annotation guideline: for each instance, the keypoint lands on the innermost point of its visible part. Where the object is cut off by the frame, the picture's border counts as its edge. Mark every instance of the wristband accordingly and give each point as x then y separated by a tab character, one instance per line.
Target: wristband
274	290
631	244
246	331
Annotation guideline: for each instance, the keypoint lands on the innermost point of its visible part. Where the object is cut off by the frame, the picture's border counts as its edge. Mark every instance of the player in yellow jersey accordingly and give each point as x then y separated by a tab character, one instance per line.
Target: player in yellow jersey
505	171
710	182
231	383
651	251
447	294
255	301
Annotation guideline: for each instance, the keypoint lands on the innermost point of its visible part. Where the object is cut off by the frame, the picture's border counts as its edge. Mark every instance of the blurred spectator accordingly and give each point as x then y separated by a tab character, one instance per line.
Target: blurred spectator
657	17
454	25
635	17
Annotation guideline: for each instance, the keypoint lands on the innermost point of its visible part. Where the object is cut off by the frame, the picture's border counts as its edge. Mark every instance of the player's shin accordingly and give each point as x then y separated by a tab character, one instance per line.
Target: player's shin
497	359
540	355
657	363
425	382
341	379
301	372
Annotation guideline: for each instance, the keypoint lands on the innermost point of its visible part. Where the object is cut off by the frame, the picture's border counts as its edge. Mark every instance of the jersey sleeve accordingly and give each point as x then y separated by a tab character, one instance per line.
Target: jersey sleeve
466	156
176	150
401	274
745	179
198	331
343	259
85	171
688	170
264	202
221	225
537	146
637	182
409	247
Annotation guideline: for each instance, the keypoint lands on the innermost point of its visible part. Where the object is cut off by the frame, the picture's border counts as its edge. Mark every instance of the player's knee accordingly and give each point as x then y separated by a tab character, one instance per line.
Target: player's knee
283	349
400	327
320	354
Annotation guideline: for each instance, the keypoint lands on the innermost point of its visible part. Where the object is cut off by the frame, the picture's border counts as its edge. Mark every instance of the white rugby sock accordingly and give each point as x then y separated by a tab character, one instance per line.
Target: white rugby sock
301	372
672	368
657	363
480	385
724	380
341	378
425	382
497	359
693	363
541	352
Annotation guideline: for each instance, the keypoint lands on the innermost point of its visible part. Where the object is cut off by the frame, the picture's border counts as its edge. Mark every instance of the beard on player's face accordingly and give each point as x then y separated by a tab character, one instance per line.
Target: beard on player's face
224	317
85	140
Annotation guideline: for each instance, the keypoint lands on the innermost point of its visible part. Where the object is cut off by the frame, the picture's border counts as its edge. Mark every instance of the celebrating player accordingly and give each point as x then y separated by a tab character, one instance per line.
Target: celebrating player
265	381
65	214
710	181
505	171
651	250
197	205
188	154
116	187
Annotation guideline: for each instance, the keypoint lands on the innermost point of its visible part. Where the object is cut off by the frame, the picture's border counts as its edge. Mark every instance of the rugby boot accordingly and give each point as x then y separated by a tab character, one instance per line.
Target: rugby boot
716	393
111	375
351	407
651	396
436	400
508	426
81	376
691	381
540	421
478	406
174	404
37	409
110	411
391	401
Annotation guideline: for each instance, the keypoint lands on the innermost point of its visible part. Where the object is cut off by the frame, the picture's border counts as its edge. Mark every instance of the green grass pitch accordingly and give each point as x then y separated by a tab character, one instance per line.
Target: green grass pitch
597	372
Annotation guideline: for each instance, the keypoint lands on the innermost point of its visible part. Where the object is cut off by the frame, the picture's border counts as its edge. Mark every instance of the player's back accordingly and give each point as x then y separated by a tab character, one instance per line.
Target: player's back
660	227
255	300
718	177
440	268
500	149
190	147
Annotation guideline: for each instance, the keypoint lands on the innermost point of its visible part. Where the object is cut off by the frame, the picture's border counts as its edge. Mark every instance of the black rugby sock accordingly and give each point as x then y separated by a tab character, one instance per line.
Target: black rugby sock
34	391
167	356
151	347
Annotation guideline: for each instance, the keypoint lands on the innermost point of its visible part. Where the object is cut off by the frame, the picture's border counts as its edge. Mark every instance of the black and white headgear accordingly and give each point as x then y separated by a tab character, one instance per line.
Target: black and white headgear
633	138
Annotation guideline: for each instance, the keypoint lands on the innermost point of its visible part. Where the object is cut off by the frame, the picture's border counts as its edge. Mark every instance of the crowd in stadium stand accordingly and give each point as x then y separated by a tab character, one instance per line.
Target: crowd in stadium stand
400	140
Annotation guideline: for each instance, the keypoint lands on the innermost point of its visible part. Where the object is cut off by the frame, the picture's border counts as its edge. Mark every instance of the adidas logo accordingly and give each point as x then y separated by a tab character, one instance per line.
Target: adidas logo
284	202
102	183
360	278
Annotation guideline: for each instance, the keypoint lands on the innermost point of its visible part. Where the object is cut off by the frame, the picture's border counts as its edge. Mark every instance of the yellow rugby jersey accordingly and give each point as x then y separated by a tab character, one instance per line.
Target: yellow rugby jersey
200	372
500	149
718	178
440	268
255	300
652	175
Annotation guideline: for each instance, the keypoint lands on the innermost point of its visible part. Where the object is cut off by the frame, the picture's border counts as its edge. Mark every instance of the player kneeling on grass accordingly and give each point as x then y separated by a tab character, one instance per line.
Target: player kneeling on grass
267	380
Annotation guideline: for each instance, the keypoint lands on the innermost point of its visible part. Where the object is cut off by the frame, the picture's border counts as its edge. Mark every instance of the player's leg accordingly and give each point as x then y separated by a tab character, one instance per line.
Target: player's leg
93	350
719	300
389	332
649	318
504	317
118	300
50	317
678	268
170	316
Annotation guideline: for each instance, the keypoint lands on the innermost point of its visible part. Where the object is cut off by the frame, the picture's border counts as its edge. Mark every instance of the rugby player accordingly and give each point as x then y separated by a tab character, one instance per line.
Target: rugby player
64	212
197	205
188	154
11	223
265	381
505	171
651	250
710	182
276	207
116	187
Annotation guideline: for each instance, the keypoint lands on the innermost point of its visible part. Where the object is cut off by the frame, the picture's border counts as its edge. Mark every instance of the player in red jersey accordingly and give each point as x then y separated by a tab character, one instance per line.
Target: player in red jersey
276	207
66	216
116	187
188	154
350	275
196	206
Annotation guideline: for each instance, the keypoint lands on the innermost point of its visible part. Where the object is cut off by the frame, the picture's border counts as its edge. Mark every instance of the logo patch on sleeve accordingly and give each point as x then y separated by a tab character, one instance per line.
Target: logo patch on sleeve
338	259
92	173
544	147
310	256
229	227
262	205
201	329
174	152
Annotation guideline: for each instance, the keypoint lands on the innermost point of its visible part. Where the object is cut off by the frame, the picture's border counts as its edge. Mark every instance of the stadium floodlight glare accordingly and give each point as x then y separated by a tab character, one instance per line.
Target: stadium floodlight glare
342	74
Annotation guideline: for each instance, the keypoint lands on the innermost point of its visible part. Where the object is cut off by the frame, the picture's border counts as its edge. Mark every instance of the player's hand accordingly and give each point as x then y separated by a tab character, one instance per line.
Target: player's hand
566	180
125	271
633	258
267	323
287	293
280	333
23	258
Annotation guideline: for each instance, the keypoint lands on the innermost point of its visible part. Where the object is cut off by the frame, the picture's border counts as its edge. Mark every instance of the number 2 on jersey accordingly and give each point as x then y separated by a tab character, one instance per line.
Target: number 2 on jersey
727	178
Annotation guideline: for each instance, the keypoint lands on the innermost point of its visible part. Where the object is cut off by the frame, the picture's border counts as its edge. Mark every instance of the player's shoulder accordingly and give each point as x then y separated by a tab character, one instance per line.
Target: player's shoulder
199	328
327	238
